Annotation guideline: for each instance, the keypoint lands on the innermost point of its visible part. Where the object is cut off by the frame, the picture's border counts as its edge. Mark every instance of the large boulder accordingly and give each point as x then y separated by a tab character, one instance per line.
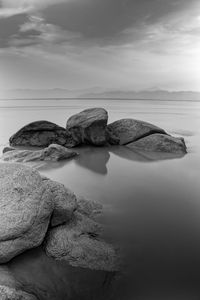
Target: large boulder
160	143
9	293
126	131
41	134
28	203
52	153
89	126
78	243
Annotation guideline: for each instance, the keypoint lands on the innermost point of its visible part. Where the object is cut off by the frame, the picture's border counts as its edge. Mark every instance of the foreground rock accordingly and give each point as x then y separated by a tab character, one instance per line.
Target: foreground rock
52	153
27	204
41	134
8	293
160	143
78	243
125	131
89	126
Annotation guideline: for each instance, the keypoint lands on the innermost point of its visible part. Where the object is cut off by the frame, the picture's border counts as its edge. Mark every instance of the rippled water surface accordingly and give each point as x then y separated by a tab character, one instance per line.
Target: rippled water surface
151	205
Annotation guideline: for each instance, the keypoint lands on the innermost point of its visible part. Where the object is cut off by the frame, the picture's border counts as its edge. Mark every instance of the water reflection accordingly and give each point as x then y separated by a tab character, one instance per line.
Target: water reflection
94	159
49	279
143	156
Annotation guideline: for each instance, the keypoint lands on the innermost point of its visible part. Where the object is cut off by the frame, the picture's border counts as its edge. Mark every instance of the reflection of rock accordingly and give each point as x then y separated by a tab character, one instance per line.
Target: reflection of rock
78	243
143	156
27	202
41	134
47	278
160	143
8	293
125	131
94	159
88	126
52	153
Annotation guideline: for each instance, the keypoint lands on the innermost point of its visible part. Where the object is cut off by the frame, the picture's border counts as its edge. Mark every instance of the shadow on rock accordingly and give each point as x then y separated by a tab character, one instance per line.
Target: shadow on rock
143	156
94	159
47	278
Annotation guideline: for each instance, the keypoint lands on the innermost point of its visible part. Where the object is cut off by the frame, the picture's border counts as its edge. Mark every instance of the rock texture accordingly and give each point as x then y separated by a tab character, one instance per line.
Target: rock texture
126	131
41	134
27	204
78	243
89	126
160	143
52	153
7	149
8	293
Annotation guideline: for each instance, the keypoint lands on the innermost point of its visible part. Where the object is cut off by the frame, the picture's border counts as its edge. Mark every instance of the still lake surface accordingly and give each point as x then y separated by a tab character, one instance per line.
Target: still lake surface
151	205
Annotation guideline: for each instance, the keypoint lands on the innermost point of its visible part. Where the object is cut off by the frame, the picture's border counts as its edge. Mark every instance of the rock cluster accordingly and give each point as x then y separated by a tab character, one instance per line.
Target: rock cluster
90	127
35	210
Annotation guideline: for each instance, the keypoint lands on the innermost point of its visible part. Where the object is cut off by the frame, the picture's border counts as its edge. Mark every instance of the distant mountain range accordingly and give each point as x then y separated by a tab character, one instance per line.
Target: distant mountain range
99	93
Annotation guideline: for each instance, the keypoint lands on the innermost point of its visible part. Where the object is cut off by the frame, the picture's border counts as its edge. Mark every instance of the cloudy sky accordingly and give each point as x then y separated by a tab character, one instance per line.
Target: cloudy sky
111	44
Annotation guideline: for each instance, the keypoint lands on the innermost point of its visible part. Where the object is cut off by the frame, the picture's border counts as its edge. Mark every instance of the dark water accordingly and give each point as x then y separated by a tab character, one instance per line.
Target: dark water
151	209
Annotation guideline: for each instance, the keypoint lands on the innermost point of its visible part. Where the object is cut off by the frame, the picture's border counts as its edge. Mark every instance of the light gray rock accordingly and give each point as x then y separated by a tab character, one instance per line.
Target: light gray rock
41	134
9	293
52	153
88	207
89	126
126	131
160	143
27	204
78	243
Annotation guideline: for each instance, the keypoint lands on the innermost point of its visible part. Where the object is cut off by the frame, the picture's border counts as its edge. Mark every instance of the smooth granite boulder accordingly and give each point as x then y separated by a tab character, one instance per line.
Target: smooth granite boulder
28	203
160	143
9	293
52	153
78	243
89	126
41	134
126	131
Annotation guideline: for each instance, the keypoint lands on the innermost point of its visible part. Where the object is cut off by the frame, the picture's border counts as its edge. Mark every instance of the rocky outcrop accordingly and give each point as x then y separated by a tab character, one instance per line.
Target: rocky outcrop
126	131
89	126
52	153
78	243
27	204
9	293
34	208
41	134
160	143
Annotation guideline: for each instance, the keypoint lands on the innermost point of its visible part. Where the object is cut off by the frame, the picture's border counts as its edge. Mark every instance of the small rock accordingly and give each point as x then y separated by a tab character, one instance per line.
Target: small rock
8	293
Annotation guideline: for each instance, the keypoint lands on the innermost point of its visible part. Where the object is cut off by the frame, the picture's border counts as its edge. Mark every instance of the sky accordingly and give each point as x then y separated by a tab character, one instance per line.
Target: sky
100	44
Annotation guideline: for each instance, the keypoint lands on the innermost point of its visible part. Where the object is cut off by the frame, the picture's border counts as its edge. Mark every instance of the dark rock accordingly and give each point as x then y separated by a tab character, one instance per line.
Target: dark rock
126	131
160	143
89	126
52	153
41	134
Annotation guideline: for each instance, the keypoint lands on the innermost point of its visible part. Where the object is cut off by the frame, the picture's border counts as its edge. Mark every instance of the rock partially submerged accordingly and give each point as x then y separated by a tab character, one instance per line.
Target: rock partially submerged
160	143
27	204
78	243
34	208
89	126
41	134
126	131
9	293
52	153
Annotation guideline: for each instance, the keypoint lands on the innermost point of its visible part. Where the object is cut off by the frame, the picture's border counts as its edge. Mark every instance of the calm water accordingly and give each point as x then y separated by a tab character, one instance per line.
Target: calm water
151	205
